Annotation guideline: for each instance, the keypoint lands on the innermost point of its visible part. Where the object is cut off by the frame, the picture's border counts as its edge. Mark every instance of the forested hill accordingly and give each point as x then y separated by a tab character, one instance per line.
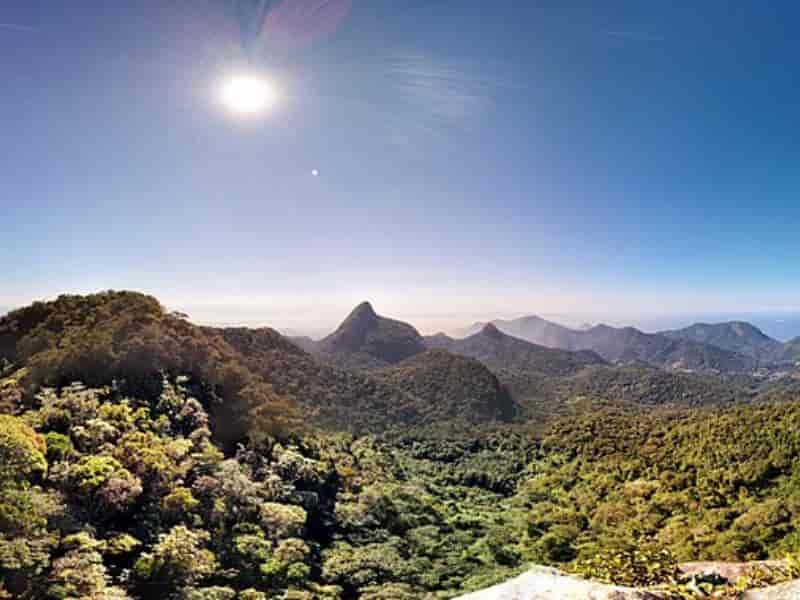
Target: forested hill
129	338
250	379
198	463
105	495
439	377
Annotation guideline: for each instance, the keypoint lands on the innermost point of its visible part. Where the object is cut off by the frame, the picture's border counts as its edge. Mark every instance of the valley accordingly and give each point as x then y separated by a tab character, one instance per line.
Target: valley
202	462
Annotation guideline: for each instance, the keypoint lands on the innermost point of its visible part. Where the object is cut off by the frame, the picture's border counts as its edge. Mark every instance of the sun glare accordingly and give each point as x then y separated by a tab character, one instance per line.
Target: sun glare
248	94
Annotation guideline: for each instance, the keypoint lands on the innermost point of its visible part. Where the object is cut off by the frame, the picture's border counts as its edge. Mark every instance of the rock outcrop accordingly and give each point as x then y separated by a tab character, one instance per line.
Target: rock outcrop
544	583
366	340
785	591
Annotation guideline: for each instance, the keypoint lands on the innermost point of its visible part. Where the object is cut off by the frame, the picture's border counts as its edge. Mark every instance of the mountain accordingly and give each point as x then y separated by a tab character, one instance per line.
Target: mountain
498	350
547	382
628	344
791	350
247	377
451	385
367	340
334	397
129	339
736	336
534	329
304	342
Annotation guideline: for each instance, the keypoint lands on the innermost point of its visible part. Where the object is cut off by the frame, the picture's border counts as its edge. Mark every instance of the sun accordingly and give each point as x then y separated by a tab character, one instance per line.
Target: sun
248	94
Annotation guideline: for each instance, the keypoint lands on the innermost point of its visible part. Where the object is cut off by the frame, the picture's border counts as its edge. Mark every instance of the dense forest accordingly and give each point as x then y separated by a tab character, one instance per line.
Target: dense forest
192	464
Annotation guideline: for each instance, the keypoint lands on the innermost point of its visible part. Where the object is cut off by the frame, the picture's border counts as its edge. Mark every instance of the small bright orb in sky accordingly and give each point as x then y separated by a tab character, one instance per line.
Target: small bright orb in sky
315	172
248	94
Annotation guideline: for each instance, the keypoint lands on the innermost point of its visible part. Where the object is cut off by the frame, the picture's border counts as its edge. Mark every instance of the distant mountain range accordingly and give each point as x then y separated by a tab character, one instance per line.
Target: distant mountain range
374	372
735	336
498	350
791	350
366	340
496	373
727	347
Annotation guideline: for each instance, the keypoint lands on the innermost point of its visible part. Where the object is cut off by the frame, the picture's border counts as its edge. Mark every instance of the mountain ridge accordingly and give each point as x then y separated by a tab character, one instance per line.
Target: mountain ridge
498	350
129	338
736	336
628	344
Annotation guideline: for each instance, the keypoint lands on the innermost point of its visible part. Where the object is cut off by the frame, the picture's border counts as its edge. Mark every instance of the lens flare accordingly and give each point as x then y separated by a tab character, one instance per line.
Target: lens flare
248	94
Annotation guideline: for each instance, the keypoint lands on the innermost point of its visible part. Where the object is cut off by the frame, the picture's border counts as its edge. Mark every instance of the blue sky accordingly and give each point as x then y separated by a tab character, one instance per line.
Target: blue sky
615	160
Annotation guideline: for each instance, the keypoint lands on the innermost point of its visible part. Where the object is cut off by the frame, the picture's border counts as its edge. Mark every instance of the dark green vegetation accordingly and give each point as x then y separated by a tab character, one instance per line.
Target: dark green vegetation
248	378
439	376
650	386
236	480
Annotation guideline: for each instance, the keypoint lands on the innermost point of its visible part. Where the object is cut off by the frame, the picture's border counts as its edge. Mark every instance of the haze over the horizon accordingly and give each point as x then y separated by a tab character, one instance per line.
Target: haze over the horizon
628	162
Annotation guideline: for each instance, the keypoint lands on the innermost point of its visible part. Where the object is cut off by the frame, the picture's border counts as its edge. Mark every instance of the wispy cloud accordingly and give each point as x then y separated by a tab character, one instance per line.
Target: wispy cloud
18	27
447	90
634	36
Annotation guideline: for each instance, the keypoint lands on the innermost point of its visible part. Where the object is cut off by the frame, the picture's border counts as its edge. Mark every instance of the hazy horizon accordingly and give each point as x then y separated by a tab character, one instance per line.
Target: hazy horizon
316	319
450	161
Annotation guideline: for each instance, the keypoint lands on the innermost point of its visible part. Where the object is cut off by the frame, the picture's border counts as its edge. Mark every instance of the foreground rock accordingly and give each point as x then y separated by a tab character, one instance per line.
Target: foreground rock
730	572
544	583
786	591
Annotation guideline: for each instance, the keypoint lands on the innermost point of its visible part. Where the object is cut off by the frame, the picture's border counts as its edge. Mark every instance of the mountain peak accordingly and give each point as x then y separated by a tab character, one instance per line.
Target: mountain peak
366	339
491	330
362	316
530	319
364	310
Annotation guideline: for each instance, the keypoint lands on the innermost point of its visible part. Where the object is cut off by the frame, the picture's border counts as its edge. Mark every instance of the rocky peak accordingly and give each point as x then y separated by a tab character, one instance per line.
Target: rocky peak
362	313
489	330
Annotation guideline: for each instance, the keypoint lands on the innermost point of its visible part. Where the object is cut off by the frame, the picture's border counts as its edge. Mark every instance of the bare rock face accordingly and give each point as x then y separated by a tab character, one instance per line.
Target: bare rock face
544	583
730	572
785	591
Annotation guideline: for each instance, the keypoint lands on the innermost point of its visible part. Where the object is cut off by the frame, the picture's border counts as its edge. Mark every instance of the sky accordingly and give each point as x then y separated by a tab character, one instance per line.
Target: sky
619	161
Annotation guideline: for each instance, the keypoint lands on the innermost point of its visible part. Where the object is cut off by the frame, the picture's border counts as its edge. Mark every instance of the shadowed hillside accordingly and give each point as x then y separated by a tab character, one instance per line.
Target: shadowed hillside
453	386
129	338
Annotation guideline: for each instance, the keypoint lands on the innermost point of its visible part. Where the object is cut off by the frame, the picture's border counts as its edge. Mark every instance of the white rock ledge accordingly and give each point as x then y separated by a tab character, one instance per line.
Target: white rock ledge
786	591
545	583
